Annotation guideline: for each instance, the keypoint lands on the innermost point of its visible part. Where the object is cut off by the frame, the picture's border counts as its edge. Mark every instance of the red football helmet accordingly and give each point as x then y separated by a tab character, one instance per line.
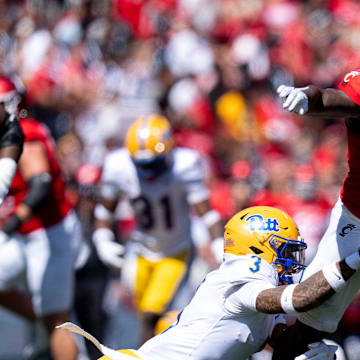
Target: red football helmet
9	95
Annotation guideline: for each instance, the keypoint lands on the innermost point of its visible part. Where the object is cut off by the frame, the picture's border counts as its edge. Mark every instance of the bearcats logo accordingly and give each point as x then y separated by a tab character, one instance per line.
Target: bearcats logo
346	229
257	222
350	75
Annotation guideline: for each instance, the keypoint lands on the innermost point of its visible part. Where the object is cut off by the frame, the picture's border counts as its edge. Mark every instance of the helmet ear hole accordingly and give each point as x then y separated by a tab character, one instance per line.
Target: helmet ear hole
255	250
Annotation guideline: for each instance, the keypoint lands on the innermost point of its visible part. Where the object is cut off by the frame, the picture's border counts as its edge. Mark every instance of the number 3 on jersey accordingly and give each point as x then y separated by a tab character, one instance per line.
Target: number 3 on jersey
144	211
256	266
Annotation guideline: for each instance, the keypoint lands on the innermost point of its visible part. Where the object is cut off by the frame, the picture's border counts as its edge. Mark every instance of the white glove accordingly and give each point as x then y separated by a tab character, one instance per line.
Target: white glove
4	237
319	351
294	99
109	251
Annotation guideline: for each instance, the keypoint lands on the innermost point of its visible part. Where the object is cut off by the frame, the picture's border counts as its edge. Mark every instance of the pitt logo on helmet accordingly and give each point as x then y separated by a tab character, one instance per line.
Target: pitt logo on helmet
257	222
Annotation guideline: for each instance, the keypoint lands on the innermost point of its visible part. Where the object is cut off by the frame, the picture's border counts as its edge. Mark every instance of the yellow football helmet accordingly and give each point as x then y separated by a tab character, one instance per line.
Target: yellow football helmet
149	141
232	110
270	234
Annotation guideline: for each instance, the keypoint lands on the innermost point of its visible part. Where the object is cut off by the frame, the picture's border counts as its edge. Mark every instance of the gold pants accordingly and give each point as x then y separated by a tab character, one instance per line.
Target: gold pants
157	282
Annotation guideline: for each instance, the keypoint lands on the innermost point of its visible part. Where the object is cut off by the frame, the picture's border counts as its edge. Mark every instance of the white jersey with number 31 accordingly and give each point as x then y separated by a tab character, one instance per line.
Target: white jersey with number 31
161	205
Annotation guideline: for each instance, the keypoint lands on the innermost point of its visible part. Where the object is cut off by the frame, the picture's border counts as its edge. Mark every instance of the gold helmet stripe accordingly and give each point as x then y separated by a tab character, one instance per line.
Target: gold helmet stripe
143	133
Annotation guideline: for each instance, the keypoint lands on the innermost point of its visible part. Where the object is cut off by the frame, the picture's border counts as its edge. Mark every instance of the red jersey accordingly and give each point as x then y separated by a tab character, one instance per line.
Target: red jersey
350	191
56	206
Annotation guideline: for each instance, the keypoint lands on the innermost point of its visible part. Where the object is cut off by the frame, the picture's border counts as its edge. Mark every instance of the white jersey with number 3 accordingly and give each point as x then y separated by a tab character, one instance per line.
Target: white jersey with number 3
221	321
161	205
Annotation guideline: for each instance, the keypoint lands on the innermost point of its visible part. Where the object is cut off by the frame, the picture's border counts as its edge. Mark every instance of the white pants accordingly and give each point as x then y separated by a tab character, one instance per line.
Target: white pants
44	259
341	239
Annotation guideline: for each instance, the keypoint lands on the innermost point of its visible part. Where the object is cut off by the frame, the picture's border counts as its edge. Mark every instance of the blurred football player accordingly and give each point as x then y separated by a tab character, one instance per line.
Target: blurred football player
232	314
91	274
39	240
342	236
163	184
11	135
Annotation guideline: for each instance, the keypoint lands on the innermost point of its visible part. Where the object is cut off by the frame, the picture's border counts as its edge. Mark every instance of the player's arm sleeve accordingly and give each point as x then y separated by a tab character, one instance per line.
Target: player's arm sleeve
193	177
331	103
249	276
350	85
39	187
246	295
7	172
11	147
109	192
111	184
334	103
13	137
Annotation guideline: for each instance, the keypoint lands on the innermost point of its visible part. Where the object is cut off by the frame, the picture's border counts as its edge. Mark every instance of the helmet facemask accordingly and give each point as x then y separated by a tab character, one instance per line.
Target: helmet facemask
152	168
290	257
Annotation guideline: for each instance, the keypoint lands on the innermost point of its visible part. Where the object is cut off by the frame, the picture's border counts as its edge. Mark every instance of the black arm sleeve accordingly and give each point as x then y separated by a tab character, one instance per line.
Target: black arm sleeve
11	133
12	224
294	340
39	188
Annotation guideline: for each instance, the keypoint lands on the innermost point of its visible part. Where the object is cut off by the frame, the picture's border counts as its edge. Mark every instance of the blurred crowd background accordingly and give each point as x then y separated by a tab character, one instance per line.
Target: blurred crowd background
87	69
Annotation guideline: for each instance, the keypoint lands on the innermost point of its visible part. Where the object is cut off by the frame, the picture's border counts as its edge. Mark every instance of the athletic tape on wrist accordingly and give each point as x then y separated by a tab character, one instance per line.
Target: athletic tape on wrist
353	261
210	218
333	277
286	299
101	234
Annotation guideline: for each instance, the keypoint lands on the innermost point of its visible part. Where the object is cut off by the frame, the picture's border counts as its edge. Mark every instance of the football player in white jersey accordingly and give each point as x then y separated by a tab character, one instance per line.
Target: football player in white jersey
163	183
231	316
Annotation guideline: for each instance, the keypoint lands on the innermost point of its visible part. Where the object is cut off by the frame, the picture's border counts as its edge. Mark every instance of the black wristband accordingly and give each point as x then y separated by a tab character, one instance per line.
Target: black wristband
12	224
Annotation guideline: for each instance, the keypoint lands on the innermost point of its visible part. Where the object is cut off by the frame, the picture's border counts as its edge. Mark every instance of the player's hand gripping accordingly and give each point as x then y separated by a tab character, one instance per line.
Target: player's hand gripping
319	351
294	99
